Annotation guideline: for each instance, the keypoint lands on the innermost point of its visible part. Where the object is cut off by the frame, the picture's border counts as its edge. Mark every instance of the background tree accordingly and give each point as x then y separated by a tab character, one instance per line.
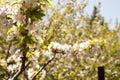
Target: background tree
65	44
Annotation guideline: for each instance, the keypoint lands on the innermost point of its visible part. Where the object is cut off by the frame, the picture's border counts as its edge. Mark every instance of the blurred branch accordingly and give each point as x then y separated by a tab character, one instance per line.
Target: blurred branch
22	68
43	67
10	44
94	15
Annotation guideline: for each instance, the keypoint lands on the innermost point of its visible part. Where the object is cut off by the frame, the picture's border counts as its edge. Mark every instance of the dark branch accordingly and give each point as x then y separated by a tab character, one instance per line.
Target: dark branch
20	71
10	44
43	67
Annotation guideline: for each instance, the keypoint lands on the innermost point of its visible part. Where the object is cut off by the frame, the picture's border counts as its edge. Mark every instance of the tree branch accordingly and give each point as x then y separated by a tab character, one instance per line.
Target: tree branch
10	44
43	67
20	71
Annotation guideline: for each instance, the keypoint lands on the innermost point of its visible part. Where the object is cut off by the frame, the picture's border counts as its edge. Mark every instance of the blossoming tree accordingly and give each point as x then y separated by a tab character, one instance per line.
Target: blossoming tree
65	44
20	19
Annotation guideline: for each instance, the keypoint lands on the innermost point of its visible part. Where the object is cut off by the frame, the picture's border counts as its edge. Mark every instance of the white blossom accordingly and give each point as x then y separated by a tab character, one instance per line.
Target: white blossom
40	40
49	54
16	32
37	53
84	45
16	57
14	67
75	47
30	72
16	15
37	66
66	47
56	45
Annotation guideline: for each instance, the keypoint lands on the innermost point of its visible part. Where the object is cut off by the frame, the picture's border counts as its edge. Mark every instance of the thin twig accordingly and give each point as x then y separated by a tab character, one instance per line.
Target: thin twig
43	67
10	44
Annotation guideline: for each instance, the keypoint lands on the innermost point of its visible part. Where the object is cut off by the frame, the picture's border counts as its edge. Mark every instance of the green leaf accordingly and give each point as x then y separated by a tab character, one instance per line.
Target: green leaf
37	15
33	39
0	78
20	26
50	2
72	74
10	30
4	1
39	75
14	3
9	16
43	46
29	55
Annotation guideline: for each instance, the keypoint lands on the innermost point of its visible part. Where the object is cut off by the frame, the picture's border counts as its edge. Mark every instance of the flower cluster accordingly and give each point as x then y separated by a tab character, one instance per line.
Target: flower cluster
64	49
14	62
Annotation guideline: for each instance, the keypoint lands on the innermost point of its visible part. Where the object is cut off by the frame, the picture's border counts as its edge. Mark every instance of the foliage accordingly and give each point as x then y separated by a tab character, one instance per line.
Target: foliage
57	43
